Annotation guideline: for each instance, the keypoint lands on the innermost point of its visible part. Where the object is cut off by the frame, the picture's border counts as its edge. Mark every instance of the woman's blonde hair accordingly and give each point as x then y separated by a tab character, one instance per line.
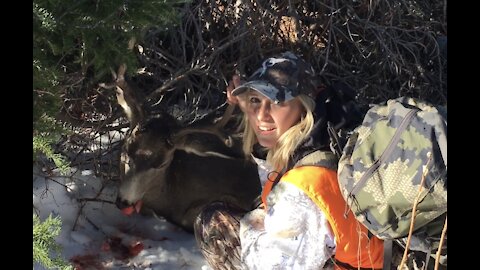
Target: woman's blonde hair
279	155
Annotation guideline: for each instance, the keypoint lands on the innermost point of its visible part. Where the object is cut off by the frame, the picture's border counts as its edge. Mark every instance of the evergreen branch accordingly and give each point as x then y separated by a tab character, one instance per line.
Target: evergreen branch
44	234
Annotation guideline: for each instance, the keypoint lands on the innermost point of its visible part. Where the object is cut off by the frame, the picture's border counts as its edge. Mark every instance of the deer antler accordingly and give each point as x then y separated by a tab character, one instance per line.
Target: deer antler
128	98
216	129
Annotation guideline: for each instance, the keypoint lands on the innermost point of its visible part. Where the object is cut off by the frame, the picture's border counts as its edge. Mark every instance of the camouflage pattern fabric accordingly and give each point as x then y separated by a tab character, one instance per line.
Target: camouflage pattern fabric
383	163
216	231
282	78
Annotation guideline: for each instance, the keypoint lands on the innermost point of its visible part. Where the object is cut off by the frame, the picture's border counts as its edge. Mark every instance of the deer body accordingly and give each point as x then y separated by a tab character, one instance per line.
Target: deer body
174	171
190	183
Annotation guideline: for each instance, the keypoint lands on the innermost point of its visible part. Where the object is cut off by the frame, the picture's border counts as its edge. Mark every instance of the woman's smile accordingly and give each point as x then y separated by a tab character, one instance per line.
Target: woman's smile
266	130
270	120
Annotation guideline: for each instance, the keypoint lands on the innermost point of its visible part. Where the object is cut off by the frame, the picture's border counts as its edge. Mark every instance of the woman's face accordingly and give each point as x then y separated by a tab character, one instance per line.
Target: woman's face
270	120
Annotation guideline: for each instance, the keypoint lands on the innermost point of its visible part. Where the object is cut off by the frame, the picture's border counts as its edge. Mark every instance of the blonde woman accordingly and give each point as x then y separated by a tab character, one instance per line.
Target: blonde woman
300	223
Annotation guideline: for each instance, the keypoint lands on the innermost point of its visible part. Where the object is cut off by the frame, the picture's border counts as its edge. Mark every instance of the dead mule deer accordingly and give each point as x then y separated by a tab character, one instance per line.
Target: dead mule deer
175	171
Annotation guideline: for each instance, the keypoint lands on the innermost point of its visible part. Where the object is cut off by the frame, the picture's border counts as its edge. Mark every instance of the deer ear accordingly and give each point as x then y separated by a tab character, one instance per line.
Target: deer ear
128	98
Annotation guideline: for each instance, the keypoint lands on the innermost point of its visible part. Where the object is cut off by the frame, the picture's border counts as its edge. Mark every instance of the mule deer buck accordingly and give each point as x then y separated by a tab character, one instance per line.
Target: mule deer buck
174	171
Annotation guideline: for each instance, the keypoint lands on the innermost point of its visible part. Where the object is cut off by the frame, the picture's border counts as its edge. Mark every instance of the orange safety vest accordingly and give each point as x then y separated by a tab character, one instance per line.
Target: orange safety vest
351	237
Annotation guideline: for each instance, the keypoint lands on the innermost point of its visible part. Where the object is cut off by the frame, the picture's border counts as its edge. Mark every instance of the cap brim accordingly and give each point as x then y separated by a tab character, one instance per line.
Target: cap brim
266	89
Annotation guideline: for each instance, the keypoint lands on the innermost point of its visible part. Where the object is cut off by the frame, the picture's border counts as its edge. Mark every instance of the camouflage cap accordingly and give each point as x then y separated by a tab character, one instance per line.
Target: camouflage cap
281	78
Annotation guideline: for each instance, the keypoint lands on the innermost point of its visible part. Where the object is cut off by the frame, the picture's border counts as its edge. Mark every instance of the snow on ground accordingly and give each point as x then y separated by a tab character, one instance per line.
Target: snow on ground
96	235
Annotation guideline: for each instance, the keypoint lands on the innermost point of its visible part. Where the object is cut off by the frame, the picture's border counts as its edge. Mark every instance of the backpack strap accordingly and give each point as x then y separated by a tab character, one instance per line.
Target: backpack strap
387	254
272	180
319	158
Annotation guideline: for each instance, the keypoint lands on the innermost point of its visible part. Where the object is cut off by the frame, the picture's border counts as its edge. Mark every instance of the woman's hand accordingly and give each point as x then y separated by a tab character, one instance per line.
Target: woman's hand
231	99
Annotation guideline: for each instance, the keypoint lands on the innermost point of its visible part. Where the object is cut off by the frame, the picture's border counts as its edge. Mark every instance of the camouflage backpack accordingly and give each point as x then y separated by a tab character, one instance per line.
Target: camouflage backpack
396	156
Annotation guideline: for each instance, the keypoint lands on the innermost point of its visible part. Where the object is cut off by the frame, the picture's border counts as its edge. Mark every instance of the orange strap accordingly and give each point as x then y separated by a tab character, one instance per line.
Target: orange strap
272	177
